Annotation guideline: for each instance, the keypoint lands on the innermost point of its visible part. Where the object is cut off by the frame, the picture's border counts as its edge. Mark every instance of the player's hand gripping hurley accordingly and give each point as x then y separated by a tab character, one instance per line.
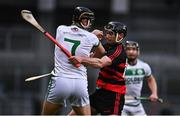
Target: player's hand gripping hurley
27	15
142	98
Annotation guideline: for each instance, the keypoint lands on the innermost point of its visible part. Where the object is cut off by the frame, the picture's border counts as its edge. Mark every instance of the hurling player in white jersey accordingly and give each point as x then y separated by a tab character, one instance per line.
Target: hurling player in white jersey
68	82
136	71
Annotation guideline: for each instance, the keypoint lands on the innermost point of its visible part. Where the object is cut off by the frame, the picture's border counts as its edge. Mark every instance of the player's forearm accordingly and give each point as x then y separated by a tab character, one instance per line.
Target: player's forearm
94	62
99	51
152	85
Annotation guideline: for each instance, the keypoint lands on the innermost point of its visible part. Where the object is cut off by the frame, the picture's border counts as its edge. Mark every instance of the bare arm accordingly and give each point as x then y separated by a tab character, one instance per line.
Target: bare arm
153	87
96	62
99	51
93	62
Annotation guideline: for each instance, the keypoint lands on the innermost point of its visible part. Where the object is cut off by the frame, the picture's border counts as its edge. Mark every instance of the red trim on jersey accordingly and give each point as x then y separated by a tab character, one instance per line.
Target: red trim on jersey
116	104
106	75
120	75
116	53
116	88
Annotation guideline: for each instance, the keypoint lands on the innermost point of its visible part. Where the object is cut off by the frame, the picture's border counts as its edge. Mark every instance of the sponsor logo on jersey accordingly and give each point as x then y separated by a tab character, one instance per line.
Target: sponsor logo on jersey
134	76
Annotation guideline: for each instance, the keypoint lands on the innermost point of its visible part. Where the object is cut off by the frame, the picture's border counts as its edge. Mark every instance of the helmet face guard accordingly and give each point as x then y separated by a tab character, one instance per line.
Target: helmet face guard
89	17
81	13
117	28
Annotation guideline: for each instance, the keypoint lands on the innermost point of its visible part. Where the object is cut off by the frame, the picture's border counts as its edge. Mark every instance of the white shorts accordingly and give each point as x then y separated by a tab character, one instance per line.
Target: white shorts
61	90
133	110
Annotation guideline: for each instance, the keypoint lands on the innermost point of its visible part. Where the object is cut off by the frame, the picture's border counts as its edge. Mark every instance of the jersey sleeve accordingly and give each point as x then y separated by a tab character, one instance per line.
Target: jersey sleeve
58	32
114	54
148	71
94	40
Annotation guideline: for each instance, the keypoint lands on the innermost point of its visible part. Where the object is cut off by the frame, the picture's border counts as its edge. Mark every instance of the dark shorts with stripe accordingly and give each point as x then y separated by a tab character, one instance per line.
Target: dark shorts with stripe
107	102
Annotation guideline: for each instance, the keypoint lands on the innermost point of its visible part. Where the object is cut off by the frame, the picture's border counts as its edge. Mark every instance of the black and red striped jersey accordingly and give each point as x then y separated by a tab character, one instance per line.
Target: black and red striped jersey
111	77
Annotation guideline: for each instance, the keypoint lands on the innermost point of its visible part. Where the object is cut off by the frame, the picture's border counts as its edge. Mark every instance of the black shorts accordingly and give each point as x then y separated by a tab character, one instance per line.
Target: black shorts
107	102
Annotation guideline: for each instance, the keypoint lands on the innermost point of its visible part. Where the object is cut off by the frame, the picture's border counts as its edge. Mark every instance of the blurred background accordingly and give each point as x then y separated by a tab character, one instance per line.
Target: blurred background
25	52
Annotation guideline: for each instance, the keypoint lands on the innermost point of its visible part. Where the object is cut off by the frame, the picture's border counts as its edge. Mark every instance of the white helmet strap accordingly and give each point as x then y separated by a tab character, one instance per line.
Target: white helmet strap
116	39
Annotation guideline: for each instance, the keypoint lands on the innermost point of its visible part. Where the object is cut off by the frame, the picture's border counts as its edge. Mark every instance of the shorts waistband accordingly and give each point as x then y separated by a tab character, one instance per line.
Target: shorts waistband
133	105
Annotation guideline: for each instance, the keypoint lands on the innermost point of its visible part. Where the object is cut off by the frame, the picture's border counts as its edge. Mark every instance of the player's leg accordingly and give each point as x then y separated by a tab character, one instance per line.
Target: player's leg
80	110
85	110
50	108
72	112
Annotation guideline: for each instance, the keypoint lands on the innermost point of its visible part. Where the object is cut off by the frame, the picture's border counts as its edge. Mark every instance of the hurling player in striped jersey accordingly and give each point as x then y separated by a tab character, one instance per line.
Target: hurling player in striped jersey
108	98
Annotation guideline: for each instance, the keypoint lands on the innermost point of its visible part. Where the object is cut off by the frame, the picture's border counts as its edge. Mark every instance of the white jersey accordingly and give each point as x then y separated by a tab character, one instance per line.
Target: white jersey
134	80
78	42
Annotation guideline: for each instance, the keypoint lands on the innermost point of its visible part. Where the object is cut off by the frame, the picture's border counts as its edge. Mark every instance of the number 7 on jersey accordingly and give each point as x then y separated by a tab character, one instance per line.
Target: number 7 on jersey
76	43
